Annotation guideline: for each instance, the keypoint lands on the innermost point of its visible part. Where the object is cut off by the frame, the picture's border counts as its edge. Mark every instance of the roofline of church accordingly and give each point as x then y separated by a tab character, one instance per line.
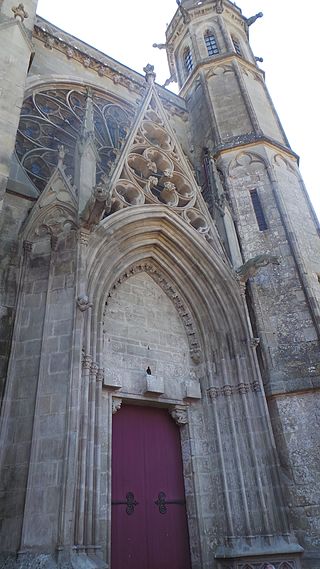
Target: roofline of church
44	30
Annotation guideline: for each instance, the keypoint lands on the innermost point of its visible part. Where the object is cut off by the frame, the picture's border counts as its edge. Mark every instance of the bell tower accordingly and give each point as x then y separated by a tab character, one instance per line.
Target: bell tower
253	187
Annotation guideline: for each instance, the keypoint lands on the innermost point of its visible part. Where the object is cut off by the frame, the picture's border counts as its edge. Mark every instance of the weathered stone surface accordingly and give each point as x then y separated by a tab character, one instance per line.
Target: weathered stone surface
165	319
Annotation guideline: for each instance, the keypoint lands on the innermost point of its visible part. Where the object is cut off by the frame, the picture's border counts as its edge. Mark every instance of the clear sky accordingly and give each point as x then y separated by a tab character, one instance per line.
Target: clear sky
286	37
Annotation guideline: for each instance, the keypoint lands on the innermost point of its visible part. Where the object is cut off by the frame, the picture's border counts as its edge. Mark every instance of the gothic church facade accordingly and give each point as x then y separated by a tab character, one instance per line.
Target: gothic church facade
159	307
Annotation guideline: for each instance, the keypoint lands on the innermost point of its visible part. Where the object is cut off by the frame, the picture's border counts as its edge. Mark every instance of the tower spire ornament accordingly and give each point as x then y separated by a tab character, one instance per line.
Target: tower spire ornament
185	16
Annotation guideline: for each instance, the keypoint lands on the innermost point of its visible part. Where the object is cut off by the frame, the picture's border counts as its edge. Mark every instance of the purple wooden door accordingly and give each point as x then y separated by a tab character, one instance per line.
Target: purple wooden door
148	532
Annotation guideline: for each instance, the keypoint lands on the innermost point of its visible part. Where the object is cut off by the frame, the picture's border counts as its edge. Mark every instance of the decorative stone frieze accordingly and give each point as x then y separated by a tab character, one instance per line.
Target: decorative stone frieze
229	390
88	57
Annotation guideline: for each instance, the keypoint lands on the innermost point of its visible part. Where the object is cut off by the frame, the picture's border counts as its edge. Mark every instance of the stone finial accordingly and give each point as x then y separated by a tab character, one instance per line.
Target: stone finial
20	12
150	74
83	302
219	6
185	16
61	155
88	124
179	415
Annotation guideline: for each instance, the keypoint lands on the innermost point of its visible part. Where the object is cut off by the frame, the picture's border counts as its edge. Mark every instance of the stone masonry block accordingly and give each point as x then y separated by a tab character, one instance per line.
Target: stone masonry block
154	385
192	390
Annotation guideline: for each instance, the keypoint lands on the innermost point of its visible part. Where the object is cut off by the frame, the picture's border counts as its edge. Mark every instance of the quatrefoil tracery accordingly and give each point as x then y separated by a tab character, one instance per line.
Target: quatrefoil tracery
153	174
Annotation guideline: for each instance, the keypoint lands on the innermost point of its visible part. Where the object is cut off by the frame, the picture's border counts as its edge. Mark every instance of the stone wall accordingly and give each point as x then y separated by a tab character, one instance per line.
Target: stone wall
295	422
143	329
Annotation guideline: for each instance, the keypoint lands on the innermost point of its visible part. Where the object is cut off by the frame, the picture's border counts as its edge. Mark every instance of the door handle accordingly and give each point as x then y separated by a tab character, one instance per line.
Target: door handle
130	502
162	502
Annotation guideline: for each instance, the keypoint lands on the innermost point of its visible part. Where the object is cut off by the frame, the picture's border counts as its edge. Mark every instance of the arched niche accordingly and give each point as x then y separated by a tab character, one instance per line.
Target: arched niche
197	273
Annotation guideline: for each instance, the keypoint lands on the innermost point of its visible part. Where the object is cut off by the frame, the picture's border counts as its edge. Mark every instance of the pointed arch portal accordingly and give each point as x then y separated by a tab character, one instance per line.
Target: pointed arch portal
217	399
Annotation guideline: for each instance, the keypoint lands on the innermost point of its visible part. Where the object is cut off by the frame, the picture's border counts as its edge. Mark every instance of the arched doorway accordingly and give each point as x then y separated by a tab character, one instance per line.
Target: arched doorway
149	522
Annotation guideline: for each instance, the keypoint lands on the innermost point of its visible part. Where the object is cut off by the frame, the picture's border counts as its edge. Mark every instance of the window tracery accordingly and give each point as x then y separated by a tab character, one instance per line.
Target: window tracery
54	117
211	43
187	59
236	45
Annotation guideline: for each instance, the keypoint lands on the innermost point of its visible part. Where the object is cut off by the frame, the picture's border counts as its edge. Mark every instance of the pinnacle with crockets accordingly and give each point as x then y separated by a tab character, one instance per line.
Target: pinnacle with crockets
161	502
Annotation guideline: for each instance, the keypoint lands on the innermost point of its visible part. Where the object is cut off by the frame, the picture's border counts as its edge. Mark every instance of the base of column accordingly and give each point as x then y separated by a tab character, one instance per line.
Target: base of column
61	560
256	552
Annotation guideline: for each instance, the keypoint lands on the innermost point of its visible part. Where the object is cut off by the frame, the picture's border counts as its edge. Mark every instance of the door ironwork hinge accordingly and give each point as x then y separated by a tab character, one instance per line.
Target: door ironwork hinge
162	502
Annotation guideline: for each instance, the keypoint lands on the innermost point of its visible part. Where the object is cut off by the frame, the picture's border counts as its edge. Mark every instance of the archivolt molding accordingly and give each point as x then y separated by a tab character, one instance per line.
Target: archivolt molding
134	234
160	278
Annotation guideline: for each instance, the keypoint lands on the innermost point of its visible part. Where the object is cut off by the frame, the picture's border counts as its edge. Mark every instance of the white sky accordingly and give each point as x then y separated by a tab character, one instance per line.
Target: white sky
286	37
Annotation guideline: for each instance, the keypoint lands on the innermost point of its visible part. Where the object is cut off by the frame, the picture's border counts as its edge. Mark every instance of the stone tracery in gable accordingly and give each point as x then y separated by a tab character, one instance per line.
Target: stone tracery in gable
153	173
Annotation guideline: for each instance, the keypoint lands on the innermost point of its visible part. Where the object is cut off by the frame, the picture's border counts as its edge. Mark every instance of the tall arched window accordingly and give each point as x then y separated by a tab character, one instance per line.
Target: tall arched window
211	43
236	45
187	59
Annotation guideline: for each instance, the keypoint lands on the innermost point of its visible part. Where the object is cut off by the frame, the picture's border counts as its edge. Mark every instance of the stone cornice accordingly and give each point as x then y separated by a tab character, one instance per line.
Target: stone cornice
103	65
88	56
209	64
177	25
250	140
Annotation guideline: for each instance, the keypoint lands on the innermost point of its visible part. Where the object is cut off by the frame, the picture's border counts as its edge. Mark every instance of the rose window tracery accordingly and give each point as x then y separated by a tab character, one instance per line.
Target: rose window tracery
153	173
55	117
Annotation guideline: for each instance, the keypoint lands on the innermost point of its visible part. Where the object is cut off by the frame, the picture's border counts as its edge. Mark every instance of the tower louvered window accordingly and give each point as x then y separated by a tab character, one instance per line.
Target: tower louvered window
188	63
236	45
211	44
257	206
